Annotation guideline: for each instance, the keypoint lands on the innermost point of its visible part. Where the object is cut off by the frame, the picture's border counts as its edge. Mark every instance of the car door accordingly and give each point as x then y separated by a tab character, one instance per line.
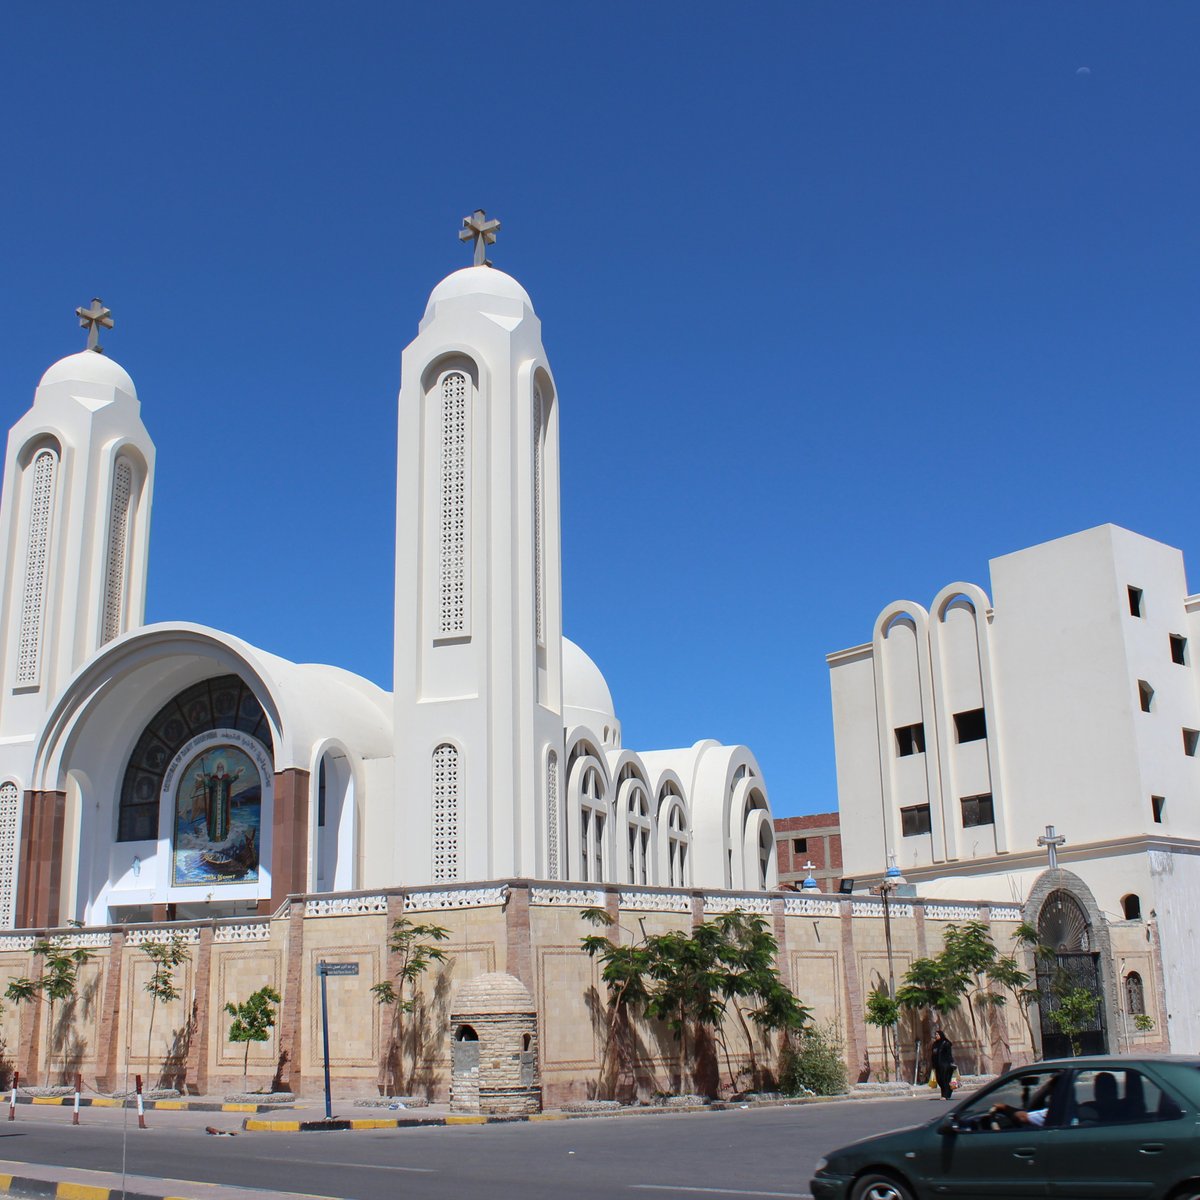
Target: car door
1002	1159
1125	1134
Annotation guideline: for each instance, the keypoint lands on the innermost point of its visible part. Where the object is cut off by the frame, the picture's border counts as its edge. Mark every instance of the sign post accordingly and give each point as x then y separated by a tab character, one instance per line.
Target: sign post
324	970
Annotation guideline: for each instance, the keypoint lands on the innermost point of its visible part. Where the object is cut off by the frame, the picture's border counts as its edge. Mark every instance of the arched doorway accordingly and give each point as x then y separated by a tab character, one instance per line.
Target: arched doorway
1073	966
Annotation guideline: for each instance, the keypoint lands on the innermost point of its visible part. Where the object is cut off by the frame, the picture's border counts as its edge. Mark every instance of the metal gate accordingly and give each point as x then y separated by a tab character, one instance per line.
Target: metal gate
1064	973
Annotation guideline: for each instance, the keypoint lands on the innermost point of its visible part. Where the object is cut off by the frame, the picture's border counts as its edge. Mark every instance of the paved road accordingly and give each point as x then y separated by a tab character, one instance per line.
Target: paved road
738	1154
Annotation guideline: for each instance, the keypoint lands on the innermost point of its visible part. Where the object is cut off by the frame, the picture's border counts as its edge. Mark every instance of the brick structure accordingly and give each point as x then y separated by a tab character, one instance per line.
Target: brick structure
815	838
494	1052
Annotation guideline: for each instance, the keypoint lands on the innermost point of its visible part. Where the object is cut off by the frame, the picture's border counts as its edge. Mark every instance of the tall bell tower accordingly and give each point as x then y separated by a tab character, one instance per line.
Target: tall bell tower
74	532
478	665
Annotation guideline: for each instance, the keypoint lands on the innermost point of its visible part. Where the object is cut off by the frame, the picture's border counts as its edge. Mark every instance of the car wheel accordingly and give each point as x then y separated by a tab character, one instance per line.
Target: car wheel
875	1186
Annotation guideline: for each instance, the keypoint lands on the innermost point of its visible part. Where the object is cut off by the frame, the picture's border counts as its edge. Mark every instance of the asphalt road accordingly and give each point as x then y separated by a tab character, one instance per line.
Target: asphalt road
736	1154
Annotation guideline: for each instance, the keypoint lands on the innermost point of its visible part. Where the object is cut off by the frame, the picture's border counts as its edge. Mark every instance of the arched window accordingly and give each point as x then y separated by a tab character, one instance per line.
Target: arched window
118	550
10	799
552	817
446	859
1063	925
44	470
221	703
539	513
1135	995
1132	906
592	819
452	606
637	835
678	841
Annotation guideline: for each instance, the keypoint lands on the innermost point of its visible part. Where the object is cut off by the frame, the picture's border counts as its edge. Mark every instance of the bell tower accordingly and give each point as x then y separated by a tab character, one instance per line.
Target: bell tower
478	667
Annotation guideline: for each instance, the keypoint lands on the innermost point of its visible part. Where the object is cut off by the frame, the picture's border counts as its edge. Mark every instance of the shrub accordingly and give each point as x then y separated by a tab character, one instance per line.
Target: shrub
813	1061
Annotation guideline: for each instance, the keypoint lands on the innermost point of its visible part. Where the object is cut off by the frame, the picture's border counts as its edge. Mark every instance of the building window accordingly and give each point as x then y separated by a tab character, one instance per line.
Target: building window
977	810
799	845
539	510
637	837
10	804
1131	905
118	543
37	563
552	814
1190	739
915	820
591	828
910	739
1179	649
970	726
1145	695
1136	607
1157	805
452	611
445	812
677	842
1135	995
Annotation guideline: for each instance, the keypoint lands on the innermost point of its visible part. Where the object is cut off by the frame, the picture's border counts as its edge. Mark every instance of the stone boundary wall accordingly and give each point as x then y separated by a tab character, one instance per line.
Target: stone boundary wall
832	953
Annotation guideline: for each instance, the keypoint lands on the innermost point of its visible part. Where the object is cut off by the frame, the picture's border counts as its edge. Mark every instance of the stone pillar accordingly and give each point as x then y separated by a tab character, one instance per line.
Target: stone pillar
856	1028
289	839
108	1062
783	963
995	1036
292	1010
40	888
391	1065
196	1068
519	956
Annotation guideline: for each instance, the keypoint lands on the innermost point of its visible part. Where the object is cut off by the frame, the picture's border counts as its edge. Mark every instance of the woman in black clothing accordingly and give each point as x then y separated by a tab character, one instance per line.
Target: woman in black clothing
943	1062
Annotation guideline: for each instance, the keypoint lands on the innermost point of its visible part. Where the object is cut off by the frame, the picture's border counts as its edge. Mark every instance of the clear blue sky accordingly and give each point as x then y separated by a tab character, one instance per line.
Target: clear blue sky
842	301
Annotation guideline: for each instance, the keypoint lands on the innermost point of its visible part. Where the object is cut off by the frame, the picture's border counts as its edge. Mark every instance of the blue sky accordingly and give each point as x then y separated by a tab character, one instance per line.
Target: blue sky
842	301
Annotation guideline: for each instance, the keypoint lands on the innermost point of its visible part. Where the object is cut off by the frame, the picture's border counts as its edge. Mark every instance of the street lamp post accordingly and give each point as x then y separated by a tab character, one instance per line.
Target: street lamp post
892	879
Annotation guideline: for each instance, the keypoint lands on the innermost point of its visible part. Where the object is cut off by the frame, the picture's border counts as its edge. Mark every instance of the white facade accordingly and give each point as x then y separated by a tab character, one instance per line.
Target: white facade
964	729
174	770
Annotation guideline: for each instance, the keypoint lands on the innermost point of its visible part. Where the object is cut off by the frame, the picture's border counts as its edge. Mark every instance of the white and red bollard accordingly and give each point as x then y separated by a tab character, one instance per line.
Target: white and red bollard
12	1099
78	1085
141	1104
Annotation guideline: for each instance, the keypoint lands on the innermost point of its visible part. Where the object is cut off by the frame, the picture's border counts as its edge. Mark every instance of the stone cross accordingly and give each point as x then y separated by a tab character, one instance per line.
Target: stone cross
479	229
1052	840
91	319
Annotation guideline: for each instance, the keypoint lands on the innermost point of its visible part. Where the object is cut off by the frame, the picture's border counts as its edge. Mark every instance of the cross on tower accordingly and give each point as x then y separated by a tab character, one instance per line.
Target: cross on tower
479	229
1052	840
91	319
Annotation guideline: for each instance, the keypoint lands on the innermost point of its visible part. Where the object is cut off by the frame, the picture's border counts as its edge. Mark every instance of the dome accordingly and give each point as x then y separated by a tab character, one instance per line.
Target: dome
583	684
478	281
494	992
89	367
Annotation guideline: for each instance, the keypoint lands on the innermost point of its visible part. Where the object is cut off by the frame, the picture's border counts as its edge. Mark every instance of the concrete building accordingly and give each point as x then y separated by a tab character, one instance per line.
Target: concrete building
1070	699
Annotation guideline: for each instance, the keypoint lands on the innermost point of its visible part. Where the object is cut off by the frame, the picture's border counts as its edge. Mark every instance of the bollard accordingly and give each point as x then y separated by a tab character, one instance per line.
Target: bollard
141	1104
12	1100
78	1085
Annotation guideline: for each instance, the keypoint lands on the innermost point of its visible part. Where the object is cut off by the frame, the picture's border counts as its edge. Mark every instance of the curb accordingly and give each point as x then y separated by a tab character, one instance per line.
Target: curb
48	1189
164	1105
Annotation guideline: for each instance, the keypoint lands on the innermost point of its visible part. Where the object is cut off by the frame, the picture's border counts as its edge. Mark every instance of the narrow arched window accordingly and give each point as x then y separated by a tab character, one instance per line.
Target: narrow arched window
37	564
1131	905
552	814
455	453
1135	995
10	799
118	550
677	842
446	857
592	821
539	514
637	836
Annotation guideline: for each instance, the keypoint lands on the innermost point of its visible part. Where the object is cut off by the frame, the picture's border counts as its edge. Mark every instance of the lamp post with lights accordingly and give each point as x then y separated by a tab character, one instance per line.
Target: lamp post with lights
893	878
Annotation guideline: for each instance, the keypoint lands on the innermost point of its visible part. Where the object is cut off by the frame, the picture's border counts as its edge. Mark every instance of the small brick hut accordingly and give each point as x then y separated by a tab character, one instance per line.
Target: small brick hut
494	1051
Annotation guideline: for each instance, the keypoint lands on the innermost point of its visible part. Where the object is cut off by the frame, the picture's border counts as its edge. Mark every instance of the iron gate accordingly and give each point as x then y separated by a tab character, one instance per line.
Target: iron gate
1064	973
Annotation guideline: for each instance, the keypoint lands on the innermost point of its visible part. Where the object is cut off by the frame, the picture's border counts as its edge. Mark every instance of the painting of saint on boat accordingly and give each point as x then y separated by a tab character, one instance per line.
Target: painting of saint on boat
218	806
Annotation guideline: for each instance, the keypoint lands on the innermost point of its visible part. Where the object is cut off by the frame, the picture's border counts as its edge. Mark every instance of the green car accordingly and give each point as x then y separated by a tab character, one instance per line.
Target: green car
1090	1128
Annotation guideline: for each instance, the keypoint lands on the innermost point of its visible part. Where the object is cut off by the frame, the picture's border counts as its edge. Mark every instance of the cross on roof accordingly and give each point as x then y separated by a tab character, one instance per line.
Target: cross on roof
91	319
1051	839
809	866
479	229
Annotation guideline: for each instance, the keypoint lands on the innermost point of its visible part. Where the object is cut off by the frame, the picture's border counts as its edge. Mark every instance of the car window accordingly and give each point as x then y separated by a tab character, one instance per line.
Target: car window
1117	1096
1027	1091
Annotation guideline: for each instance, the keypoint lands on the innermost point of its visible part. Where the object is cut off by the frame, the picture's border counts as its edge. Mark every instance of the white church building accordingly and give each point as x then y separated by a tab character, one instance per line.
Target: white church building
1071	699
172	771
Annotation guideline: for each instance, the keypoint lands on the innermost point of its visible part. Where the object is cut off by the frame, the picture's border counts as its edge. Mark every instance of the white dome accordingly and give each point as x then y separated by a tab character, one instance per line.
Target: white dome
478	281
584	688
89	367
